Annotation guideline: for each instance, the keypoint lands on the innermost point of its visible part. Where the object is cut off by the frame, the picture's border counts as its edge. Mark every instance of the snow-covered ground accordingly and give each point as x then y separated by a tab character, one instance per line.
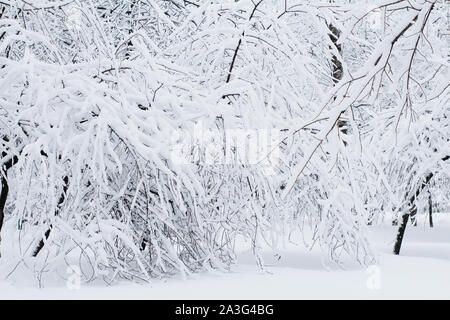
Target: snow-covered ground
421	272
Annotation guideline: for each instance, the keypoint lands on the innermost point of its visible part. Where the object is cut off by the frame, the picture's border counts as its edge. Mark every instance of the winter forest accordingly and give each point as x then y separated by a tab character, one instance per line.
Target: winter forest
150	140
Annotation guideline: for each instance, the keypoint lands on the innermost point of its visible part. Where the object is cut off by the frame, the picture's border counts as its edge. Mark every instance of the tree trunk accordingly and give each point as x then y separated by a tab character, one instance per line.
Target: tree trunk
401	232
338	70
41	244
3	196
430	210
414	219
4	188
412	211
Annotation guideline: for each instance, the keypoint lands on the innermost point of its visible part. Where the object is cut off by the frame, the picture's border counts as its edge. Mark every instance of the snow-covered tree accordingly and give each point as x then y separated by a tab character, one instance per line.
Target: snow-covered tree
96	97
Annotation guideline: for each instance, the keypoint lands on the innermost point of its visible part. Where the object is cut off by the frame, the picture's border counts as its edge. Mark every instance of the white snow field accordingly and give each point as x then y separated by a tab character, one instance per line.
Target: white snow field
420	272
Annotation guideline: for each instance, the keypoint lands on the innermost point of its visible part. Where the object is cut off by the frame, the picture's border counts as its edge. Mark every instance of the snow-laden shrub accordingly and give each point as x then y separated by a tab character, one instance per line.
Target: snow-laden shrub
94	175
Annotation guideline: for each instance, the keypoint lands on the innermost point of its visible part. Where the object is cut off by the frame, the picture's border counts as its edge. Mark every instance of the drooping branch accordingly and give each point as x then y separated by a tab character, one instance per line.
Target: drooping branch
352	87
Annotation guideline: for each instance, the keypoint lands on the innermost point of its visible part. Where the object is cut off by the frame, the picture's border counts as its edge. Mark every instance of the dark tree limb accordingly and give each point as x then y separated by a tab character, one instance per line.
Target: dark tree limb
234	60
337	69
236	51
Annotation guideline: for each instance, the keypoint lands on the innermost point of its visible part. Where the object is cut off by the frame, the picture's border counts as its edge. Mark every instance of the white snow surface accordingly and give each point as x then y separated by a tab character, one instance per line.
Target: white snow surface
420	272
